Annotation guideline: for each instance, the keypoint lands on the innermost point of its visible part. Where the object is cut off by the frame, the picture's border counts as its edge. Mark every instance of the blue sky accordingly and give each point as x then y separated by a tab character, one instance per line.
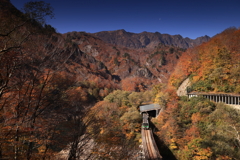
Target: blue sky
189	18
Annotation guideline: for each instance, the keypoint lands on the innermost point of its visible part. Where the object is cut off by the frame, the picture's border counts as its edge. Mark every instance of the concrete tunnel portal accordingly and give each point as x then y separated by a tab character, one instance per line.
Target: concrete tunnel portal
153	110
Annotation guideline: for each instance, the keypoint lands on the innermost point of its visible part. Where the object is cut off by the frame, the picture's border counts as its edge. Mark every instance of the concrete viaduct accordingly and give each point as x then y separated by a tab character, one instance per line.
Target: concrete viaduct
228	98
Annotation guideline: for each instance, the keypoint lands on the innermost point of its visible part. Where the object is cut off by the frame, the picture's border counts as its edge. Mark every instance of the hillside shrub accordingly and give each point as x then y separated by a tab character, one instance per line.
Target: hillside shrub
202	86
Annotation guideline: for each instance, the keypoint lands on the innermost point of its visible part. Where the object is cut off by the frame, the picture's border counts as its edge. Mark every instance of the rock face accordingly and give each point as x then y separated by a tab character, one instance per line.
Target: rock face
88	48
148	39
182	90
143	72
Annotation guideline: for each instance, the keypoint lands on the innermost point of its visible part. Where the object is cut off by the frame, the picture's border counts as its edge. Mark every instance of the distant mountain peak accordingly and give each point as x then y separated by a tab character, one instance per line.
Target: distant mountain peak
122	30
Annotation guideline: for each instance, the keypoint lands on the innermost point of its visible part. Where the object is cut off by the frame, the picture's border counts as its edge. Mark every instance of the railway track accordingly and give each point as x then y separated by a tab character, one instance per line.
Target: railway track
149	146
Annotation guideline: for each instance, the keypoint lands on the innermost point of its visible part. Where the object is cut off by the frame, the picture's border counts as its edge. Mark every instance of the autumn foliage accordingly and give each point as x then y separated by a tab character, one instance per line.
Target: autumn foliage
212	66
197	128
63	91
42	100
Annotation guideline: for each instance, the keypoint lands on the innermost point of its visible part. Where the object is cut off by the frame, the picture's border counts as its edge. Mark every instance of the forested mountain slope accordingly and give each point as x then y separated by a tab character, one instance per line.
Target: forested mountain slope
45	83
197	128
212	66
134	68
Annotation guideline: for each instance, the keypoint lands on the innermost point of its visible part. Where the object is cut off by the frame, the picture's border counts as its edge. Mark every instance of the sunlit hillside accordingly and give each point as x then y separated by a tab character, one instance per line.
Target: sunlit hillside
197	128
213	66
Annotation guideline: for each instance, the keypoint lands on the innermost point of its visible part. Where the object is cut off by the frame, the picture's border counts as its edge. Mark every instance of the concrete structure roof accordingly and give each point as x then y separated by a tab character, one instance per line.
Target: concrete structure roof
149	107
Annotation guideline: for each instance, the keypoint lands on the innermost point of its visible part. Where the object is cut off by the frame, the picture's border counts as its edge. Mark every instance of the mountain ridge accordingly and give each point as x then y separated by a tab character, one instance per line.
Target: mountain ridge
148	39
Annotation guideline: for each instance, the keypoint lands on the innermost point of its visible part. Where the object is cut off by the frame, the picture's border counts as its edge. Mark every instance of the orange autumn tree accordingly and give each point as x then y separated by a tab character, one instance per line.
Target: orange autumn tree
187	65
129	84
137	84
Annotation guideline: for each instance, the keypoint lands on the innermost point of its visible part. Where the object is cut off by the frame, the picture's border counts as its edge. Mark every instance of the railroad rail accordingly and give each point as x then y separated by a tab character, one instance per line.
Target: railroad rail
149	145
